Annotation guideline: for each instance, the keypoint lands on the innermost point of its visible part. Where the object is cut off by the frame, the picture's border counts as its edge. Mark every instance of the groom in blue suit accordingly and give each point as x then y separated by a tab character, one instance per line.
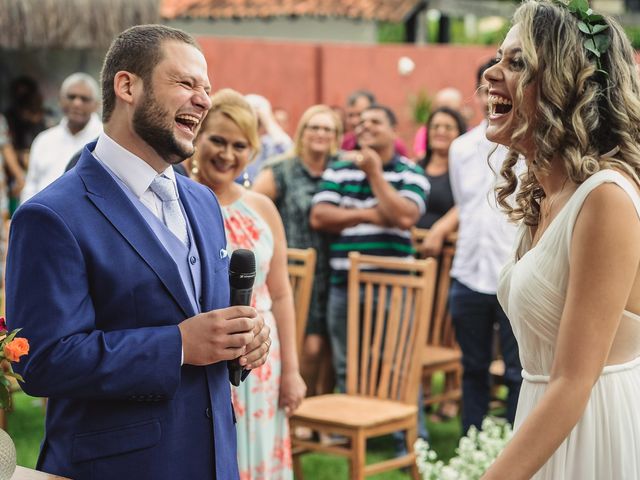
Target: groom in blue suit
123	293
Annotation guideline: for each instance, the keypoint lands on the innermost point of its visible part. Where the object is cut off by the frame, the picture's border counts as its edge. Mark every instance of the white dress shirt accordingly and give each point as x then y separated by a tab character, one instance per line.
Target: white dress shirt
134	172
485	235
51	151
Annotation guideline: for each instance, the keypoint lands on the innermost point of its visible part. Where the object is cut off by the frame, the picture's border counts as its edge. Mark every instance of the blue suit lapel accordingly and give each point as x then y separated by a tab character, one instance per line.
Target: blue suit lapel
199	229
108	197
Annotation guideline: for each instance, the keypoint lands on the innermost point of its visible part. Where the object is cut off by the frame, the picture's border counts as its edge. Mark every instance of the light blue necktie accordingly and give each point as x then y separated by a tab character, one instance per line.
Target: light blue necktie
165	189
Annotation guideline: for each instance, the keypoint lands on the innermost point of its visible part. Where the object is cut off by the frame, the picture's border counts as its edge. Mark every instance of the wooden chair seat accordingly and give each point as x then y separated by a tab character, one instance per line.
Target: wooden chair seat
388	316
434	357
353	410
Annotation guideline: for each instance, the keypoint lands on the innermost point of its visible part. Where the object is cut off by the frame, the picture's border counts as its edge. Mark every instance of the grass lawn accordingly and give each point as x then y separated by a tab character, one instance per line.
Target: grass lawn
26	427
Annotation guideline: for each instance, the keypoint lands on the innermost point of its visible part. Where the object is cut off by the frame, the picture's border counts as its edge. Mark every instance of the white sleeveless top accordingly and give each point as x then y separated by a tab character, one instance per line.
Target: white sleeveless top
605	444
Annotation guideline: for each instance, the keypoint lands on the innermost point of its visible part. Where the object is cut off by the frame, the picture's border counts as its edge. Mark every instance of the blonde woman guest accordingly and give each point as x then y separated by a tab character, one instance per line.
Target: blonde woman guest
291	181
572	287
226	143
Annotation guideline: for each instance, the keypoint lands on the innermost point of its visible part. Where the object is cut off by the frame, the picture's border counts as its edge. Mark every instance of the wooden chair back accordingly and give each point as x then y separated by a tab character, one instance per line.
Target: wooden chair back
441	332
301	265
389	312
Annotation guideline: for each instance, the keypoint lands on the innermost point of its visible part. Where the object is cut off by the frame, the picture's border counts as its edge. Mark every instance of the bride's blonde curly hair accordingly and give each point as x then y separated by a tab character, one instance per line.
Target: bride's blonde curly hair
580	114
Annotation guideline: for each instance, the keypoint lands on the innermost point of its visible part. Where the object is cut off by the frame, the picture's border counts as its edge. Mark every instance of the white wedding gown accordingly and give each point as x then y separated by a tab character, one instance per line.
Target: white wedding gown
605	444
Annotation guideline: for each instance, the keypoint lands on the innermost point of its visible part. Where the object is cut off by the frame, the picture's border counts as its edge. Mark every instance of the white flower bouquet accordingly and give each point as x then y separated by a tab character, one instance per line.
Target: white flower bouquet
475	453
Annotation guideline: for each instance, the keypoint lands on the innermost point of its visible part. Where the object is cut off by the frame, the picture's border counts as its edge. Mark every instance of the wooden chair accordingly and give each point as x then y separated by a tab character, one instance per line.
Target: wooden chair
384	342
301	267
441	353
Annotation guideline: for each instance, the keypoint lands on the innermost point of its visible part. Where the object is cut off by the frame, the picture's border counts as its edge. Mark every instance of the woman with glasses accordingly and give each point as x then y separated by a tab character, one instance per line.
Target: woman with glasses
291	181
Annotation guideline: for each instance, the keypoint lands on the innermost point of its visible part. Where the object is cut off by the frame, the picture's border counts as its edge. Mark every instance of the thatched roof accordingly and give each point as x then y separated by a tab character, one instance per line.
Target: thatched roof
70	23
390	10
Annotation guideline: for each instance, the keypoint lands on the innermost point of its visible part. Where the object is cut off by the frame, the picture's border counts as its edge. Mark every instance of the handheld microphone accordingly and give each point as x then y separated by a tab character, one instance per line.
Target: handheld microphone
242	273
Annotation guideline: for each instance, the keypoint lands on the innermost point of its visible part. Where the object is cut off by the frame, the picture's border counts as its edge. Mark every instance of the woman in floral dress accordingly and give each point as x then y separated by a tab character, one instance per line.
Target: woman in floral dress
226	143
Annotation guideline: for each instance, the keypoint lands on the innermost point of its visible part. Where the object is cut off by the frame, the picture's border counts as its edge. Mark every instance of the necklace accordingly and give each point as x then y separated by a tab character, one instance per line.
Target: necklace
545	211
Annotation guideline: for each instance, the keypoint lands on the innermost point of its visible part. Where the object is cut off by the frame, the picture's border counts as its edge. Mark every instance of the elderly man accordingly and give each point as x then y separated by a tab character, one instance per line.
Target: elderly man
53	148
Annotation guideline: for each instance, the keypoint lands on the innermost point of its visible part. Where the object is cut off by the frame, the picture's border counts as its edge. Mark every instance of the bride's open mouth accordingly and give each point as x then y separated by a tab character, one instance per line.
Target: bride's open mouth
499	106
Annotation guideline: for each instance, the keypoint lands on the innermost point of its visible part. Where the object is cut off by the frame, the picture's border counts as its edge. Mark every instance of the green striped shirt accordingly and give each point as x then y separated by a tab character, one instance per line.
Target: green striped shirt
345	185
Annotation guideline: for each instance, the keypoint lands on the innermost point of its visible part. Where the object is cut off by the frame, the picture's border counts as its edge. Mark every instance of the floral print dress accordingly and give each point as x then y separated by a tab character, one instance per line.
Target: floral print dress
264	446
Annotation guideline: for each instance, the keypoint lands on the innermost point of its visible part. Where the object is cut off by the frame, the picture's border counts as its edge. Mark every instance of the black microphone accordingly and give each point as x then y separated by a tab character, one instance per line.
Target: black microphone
242	273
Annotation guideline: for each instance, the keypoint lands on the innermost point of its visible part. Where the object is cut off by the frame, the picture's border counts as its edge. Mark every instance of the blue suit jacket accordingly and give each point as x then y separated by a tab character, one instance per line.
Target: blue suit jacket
99	299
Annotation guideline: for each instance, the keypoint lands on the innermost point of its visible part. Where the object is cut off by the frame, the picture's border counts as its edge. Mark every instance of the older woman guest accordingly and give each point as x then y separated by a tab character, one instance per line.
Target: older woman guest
569	103
226	143
291	181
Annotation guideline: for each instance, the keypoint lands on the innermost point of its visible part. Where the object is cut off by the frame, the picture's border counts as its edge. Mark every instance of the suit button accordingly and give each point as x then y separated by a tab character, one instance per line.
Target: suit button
192	260
207	412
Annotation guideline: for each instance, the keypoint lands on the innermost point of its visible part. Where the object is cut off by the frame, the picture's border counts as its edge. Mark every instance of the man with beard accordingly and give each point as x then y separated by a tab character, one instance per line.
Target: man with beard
126	302
52	149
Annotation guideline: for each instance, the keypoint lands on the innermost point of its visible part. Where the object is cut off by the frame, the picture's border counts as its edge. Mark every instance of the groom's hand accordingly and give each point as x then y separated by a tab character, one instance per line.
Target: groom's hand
219	335
258	349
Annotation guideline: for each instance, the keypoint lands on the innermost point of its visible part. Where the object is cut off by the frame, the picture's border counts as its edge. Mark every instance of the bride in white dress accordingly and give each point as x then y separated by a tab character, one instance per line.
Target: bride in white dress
572	287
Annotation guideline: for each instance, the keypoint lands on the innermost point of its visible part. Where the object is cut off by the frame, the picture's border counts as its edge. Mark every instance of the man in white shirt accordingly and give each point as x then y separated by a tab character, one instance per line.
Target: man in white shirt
485	239
53	148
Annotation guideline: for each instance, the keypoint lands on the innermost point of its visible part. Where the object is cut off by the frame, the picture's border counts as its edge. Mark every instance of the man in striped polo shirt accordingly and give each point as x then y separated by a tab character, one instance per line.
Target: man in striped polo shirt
370	199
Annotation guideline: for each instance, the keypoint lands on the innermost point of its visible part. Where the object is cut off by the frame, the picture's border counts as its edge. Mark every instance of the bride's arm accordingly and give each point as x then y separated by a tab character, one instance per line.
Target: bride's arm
603	267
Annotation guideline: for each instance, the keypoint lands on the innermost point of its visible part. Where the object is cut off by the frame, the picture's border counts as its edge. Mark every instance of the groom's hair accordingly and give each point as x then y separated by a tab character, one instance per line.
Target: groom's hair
136	50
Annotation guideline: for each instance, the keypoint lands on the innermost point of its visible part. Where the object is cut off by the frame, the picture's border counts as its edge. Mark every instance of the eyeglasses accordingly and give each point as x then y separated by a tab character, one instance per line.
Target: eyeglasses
83	98
320	128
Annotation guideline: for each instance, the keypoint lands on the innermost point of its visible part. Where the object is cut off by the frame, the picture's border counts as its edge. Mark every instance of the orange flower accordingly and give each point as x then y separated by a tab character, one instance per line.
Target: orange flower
16	348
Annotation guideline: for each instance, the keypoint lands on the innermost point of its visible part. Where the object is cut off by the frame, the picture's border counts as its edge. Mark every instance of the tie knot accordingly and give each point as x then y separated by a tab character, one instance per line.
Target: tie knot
163	187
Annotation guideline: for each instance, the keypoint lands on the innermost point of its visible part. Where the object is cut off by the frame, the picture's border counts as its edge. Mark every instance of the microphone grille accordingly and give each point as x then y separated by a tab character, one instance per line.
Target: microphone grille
242	269
242	261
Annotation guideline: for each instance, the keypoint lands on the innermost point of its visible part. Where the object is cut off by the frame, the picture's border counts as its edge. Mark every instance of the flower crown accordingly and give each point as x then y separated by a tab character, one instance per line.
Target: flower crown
593	27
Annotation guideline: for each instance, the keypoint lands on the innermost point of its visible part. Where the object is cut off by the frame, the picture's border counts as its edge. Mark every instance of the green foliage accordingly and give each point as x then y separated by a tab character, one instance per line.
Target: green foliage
26	428
458	35
593	27
389	32
634	36
496	37
420	106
